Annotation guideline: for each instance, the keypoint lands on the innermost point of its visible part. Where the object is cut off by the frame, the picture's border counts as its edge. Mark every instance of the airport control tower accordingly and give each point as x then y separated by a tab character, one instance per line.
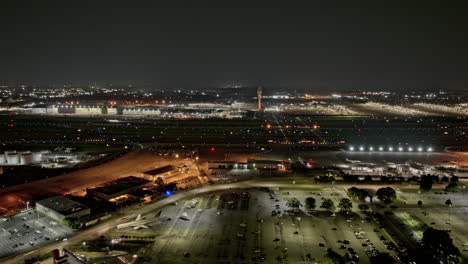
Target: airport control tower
259	97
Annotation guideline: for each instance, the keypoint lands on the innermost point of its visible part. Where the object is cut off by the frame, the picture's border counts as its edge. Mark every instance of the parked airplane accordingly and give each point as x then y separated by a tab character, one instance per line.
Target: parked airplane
139	223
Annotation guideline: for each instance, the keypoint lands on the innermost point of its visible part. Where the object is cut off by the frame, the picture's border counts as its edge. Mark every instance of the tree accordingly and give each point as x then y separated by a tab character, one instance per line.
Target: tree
425	183
452	187
382	257
328	204
448	202
293	203
345	205
310	203
324	179
454	179
419	203
386	194
357	193
333	257
444	179
350	178
437	247
70	223
363	207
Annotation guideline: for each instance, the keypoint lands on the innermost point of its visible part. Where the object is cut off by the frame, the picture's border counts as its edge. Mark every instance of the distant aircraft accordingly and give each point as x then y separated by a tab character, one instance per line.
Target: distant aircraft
353	161
139	223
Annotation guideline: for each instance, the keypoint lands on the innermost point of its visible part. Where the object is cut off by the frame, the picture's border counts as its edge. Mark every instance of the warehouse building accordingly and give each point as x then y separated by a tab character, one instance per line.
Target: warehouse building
59	208
120	188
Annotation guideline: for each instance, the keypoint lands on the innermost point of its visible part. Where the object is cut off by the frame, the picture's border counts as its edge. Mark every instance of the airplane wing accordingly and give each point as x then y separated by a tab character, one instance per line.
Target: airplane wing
138	217
140	227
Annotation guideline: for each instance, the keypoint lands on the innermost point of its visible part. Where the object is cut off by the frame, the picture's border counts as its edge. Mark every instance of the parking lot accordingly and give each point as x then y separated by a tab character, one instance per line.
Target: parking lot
26	231
239	226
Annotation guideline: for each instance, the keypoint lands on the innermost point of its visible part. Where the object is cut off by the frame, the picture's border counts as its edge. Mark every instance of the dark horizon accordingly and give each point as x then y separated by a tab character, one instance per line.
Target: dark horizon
328	47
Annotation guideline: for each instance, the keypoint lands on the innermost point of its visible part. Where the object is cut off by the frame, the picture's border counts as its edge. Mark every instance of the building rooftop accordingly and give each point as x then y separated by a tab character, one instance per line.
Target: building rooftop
224	161
120	185
160	170
264	161
62	205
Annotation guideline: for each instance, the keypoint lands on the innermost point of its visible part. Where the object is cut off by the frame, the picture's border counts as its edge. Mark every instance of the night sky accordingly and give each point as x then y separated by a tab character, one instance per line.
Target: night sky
329	45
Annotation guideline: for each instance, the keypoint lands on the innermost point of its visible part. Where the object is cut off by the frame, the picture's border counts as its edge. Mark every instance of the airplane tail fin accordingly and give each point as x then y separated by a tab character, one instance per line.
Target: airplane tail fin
158	214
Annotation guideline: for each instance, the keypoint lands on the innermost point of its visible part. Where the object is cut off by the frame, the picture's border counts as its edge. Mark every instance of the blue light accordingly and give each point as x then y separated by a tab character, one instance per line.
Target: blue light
168	193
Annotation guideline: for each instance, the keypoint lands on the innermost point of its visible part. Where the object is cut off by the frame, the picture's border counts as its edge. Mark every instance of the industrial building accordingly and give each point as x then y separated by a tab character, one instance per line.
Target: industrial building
59	208
119	188
158	172
226	164
13	158
81	110
265	164
251	164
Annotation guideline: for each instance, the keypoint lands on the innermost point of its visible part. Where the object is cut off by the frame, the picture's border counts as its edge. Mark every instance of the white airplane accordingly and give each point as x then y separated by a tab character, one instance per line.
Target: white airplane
139	223
352	161
184	217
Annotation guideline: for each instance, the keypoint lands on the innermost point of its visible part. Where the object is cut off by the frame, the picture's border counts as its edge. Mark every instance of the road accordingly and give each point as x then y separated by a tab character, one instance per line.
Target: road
100	229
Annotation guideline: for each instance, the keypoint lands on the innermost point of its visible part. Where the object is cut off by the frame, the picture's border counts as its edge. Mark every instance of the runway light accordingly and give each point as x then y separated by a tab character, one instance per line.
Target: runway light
371	149
361	148
380	148
410	149
420	149
400	149
429	149
168	193
351	148
390	149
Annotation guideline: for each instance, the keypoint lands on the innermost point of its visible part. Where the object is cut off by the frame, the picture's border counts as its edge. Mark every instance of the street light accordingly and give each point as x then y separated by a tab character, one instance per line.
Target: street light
361	148
371	148
420	149
380	148
390	149
400	149
410	149
351	148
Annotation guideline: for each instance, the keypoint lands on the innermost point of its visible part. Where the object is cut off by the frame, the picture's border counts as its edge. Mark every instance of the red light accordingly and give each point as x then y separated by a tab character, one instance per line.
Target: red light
359	130
212	149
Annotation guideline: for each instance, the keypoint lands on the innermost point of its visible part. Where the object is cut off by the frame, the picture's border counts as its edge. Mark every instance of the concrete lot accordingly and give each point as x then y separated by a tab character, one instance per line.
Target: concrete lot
27	231
238	227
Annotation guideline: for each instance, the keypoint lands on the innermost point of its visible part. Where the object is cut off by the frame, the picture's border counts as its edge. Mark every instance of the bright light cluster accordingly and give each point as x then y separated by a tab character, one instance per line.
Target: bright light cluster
390	149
